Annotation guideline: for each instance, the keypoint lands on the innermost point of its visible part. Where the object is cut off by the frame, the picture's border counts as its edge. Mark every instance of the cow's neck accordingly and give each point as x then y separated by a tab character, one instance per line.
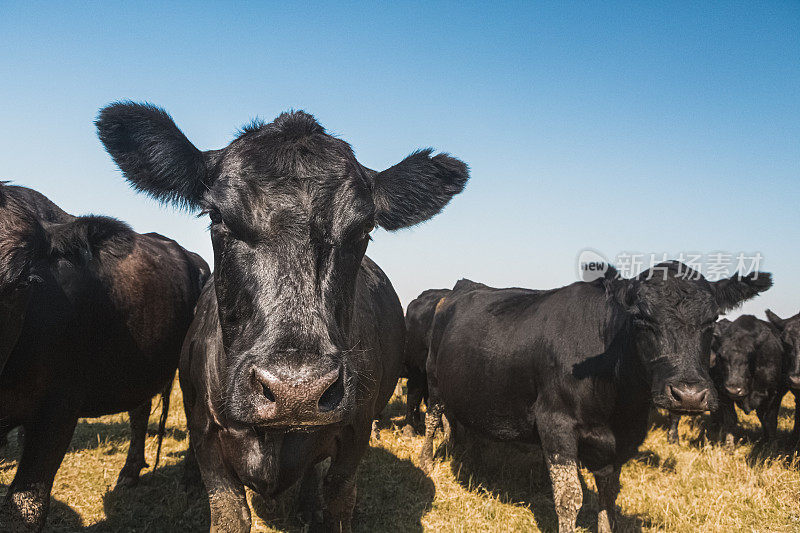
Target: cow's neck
630	375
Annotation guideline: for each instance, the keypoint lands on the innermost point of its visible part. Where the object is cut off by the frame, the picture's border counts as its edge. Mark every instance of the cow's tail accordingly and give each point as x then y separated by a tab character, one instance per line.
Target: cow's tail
162	423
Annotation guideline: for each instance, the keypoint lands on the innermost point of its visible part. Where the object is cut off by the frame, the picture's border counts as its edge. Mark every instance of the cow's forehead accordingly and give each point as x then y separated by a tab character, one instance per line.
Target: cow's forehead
737	338
793	326
673	296
267	172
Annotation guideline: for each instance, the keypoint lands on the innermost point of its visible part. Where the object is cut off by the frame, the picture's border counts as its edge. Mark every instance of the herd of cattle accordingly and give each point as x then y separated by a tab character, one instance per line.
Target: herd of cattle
289	352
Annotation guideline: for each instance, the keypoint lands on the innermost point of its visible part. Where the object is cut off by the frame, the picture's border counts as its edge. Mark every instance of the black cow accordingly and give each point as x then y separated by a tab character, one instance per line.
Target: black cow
297	344
789	329
93	317
576	369
748	372
419	318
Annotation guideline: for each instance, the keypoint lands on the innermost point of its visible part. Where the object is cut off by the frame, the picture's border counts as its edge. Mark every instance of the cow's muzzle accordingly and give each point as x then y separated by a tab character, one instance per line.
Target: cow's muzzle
302	398
688	397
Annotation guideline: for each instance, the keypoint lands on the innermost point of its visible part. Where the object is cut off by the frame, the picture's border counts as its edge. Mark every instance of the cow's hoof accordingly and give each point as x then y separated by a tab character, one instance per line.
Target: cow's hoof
126	481
409	431
729	442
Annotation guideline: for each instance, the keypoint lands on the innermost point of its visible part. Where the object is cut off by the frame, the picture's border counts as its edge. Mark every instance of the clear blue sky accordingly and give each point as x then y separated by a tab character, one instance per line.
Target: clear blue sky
636	126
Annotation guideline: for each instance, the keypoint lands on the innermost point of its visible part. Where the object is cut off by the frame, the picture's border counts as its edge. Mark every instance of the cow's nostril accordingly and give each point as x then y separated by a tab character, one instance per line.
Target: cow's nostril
674	394
261	380
703	398
333	395
267	392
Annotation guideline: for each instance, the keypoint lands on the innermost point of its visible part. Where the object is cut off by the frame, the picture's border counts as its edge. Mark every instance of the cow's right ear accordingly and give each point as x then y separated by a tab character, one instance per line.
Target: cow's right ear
777	321
153	154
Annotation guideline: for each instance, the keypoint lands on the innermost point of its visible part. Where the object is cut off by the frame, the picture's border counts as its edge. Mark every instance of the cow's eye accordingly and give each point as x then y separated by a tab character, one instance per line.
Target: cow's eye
368	227
215	216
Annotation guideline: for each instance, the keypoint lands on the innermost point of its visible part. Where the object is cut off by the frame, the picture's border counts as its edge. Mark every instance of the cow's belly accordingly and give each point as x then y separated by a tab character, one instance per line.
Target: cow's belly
494	398
126	380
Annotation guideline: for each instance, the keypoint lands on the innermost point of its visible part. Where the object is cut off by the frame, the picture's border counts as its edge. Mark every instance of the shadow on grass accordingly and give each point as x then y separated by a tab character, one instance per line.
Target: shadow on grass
393	495
160	502
90	434
516	473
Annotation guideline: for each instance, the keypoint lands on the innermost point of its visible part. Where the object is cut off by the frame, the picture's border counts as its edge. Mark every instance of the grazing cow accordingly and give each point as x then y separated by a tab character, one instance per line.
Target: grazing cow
419	317
748	372
93	315
789	329
297	343
576	369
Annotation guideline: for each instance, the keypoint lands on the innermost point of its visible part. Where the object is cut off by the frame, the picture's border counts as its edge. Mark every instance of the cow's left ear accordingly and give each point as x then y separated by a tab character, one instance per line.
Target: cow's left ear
731	292
417	188
777	321
81	239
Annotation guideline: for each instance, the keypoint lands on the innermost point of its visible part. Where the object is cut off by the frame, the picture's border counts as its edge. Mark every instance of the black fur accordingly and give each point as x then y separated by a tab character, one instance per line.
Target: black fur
92	325
294	299
731	292
153	154
575	369
84	237
789	331
419	319
417	188
749	372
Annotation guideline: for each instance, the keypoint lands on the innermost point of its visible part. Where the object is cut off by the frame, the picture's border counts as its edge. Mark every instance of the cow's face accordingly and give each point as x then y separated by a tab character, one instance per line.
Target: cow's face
673	311
789	329
21	244
291	211
735	354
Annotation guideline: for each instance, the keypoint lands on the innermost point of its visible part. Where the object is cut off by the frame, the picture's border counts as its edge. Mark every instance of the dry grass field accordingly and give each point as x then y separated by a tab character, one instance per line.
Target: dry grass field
690	486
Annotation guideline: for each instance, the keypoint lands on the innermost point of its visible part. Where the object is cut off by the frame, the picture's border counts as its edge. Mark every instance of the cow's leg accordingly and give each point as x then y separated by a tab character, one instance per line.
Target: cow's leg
796	430
768	415
433	418
567	492
135	462
417	382
672	434
433	421
375	433
230	512
28	498
191	470
339	485
725	418
310	498
607	482
560	449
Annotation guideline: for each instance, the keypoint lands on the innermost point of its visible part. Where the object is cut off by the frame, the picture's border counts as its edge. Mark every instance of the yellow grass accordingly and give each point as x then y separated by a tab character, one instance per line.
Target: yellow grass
690	486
